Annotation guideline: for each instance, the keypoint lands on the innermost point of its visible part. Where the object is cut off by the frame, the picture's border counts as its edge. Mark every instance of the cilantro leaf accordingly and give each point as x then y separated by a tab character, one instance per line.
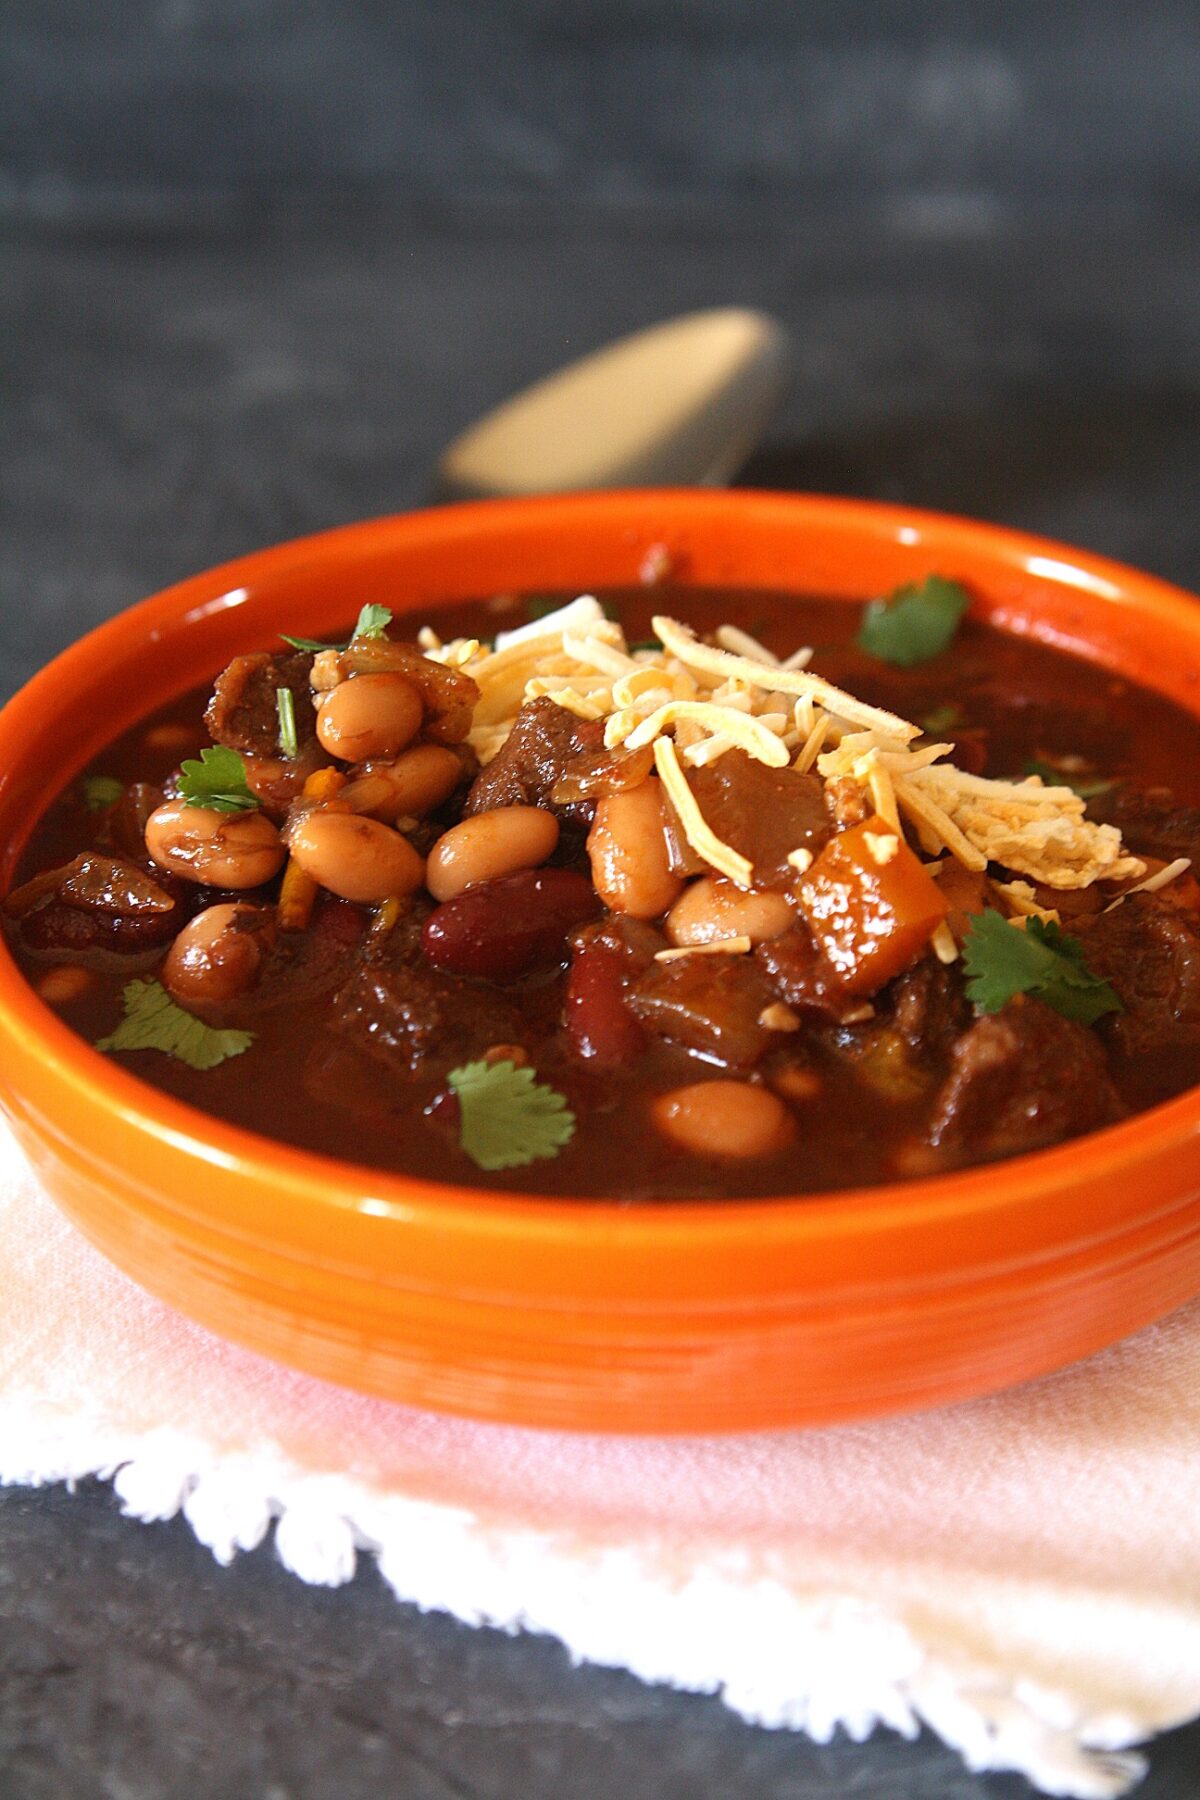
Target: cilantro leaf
154	1022
1053	777
313	645
1002	961
508	1118
101	791
217	781
942	718
285	706
915	623
372	622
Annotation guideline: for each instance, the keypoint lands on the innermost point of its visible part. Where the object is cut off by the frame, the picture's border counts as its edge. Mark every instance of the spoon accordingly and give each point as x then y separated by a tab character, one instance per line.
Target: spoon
681	403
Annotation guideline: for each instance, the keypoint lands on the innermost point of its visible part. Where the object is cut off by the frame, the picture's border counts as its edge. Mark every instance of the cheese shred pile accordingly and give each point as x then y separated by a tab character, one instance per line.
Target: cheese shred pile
692	701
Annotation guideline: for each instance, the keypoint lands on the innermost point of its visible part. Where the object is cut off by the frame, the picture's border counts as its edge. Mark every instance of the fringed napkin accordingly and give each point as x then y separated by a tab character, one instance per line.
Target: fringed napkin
1022	1573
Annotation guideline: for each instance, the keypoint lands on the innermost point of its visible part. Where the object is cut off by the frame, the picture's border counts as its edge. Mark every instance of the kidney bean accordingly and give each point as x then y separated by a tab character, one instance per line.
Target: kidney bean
600	1027
505	928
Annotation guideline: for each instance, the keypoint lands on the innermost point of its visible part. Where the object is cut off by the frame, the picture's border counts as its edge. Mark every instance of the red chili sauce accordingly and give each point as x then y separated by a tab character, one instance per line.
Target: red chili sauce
355	1030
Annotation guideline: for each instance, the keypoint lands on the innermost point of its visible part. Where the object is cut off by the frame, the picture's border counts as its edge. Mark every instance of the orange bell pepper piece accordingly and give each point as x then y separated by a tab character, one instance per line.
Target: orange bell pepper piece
870	904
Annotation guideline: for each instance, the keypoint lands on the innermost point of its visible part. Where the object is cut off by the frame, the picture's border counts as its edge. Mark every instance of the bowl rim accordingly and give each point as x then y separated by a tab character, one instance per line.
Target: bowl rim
330	1182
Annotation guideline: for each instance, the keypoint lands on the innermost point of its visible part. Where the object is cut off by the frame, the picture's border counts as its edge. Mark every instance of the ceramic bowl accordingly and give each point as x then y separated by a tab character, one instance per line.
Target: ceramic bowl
595	1316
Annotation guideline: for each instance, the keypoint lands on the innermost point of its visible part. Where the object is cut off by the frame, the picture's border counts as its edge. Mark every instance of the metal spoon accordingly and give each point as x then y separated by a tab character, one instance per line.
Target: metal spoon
681	403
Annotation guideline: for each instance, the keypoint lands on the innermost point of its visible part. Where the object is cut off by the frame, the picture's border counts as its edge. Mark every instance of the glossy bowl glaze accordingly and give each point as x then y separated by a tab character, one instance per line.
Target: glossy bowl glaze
685	1317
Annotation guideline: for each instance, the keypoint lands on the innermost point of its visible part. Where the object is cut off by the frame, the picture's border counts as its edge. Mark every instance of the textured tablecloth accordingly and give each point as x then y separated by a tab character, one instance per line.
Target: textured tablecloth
1021	1573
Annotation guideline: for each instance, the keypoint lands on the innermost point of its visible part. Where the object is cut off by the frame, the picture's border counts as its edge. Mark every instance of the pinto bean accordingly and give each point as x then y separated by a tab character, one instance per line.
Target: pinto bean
712	908
218	954
410	787
64	983
507	927
724	1118
448	696
217	849
369	715
357	858
488	846
627	845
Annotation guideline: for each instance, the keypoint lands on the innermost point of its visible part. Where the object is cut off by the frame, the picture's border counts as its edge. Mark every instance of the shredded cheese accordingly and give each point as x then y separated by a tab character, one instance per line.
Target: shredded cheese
1160	879
882	847
817	733
883	796
733	638
1038	831
748	734
730	946
683	643
1023	901
693	702
944	942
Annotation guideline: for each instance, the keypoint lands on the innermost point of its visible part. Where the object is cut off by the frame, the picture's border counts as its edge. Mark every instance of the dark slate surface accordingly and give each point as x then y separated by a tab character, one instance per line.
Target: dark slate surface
149	106
180	392
132	1668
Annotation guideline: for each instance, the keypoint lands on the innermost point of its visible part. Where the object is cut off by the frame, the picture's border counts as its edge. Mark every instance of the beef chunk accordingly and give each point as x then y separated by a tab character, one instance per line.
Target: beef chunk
1150	821
537	754
1022	1079
763	813
1150	952
400	946
801	974
243	712
710	1005
100	903
593	775
305	966
420	1021
929	1007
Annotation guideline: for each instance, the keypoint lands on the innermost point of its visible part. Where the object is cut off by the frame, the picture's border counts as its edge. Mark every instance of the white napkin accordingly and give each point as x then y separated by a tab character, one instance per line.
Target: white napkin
1022	1573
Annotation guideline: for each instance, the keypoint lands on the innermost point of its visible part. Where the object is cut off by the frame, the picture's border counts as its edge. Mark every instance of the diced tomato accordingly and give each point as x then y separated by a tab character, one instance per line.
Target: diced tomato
870	904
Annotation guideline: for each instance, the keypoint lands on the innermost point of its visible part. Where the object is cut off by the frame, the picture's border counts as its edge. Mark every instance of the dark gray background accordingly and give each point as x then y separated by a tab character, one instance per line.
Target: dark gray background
142	108
259	261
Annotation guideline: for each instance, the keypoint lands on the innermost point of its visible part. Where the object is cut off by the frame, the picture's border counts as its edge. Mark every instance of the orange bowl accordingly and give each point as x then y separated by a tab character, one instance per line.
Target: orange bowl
596	1316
